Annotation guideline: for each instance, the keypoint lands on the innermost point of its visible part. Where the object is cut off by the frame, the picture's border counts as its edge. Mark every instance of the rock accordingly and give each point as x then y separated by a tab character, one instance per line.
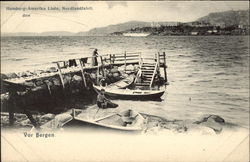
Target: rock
23	74
136	67
3	76
62	118
29	73
5	97
52	69
48	116
114	69
171	126
29	83
109	75
121	68
77	78
37	72
201	130
12	75
56	82
93	76
214	122
67	79
39	82
25	122
74	91
216	118
125	75
48	82
22	93
116	75
38	88
130	68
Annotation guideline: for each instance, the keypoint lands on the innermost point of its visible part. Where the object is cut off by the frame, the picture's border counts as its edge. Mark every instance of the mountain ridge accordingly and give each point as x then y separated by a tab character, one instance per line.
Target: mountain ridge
226	18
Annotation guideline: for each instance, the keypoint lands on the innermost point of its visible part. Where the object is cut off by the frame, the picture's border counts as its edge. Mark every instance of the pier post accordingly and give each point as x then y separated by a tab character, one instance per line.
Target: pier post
83	76
140	60
165	70
125	62
11	116
113	58
60	74
158	61
102	66
97	75
110	57
32	120
12	104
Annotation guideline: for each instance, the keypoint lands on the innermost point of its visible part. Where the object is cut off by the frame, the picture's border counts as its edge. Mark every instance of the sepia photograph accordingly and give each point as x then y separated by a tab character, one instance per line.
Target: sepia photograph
125	81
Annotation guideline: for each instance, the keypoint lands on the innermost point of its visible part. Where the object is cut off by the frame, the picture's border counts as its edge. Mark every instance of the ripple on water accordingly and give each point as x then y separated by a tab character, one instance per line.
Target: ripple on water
205	69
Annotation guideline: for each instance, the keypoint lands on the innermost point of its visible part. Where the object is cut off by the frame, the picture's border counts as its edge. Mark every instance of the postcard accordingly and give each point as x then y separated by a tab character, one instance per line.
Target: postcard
124	81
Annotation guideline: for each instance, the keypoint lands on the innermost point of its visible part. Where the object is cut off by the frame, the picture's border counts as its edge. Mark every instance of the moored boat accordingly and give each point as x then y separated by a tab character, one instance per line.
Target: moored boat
123	83
131	94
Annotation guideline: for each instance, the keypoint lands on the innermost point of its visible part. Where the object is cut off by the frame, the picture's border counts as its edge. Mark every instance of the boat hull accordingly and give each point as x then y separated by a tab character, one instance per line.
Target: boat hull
114	122
132	95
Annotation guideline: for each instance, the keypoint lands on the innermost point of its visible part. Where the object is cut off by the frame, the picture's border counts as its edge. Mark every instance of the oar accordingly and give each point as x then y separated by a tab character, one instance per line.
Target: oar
97	112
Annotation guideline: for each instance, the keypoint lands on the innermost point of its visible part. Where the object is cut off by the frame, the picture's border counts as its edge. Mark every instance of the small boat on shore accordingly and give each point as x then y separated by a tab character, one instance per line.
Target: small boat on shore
131	94
128	120
123	83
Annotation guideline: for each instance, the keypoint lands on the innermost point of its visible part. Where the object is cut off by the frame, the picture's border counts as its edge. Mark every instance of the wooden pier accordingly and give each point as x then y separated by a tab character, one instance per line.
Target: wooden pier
61	78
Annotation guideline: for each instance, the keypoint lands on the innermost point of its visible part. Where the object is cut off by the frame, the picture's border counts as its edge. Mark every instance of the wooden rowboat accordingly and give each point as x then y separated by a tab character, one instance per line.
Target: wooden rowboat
128	120
131	94
123	83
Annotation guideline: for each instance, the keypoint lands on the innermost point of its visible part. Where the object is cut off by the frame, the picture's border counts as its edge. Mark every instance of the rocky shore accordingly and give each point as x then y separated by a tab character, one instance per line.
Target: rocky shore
33	90
206	124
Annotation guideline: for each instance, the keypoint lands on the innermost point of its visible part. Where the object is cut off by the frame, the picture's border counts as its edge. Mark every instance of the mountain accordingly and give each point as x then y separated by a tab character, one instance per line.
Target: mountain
19	34
119	28
227	18
56	33
50	33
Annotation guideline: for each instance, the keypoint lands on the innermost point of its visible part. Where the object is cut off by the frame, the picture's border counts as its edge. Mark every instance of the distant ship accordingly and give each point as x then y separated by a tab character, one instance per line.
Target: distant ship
135	34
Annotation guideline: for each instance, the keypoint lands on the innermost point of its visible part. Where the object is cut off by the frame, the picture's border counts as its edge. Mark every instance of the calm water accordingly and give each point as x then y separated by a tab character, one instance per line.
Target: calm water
211	71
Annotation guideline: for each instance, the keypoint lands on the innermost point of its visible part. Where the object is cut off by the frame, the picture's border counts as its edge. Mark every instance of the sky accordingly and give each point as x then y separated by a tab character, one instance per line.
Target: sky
103	13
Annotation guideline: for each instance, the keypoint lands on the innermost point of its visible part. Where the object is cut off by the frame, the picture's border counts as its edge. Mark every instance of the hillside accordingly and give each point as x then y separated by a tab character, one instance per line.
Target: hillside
50	33
222	19
119	28
227	18
56	33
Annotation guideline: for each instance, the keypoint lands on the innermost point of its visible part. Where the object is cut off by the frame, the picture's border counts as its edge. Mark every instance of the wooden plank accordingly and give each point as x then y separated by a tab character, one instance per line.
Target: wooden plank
102	66
113	58
110	56
158	61
165	71
125	63
83	76
134	59
152	79
134	53
60	75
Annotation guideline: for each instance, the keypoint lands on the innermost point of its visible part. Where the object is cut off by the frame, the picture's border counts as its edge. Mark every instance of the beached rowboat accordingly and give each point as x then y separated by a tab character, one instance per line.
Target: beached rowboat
123	83
128	120
131	94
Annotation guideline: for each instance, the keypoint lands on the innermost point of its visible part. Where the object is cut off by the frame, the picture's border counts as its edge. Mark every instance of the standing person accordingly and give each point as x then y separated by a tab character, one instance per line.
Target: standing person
94	59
